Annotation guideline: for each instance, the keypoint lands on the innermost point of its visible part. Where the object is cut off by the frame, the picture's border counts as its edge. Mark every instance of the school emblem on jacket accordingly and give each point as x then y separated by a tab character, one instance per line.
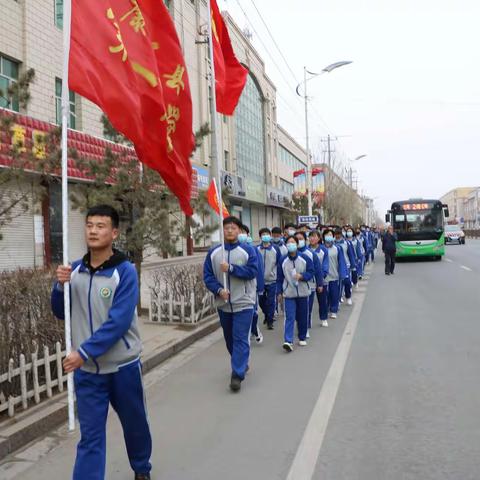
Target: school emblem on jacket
105	292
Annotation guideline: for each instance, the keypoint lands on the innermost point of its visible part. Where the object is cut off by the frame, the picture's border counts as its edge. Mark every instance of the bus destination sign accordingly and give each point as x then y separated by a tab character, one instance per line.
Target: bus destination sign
417	206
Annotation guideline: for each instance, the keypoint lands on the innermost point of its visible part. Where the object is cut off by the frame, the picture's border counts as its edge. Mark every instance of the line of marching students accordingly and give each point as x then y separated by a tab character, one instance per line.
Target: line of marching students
290	268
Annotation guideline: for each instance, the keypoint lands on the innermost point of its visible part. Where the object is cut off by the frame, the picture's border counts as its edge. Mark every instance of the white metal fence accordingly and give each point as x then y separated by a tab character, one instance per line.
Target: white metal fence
32	381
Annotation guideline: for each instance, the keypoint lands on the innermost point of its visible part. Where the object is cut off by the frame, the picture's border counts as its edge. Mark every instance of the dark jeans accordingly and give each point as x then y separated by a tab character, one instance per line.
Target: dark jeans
389	262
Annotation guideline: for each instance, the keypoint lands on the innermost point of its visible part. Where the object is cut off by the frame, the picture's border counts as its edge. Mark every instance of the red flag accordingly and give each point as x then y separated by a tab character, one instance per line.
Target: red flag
212	197
230	75
125	57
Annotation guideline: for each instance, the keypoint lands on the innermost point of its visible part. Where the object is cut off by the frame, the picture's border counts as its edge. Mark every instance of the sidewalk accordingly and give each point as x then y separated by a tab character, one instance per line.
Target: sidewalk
160	343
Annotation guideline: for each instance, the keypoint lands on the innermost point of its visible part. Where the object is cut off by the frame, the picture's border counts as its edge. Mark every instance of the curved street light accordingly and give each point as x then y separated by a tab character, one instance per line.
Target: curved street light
327	69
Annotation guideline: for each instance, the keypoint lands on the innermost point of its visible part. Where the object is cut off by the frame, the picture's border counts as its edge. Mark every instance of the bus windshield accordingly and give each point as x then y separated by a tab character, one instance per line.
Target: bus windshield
418	224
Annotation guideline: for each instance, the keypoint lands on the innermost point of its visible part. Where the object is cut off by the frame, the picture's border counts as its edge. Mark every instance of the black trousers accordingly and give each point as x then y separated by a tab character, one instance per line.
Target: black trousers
389	262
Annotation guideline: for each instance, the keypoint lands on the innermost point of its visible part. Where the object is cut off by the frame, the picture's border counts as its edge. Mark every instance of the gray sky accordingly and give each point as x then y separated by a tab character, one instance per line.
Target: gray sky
410	100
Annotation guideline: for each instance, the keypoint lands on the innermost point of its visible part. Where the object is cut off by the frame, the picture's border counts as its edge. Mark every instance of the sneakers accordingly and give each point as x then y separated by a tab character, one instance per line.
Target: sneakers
308	333
302	343
235	383
288	347
349	301
270	326
342	300
142	476
324	323
259	337
333	315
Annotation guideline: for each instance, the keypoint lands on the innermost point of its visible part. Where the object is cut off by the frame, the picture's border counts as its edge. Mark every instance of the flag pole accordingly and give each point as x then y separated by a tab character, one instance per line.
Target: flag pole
217	171
67	9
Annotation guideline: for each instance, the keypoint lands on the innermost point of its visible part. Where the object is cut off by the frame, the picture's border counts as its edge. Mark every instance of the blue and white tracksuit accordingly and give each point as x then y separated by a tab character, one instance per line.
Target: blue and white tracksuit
260	290
270	257
237	313
105	333
350	260
322	254
337	271
296	293
318	279
369	247
359	255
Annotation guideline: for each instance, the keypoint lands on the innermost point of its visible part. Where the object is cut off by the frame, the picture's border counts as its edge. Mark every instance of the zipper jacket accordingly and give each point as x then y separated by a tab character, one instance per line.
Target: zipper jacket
322	253
104	313
241	277
286	283
260	273
270	257
317	266
337	264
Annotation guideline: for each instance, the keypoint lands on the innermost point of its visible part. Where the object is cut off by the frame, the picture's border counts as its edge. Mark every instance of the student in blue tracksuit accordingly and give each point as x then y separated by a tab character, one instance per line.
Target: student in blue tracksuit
337	271
244	237
318	279
106	346
353	236
269	259
369	244
278	240
321	252
350	260
236	298
295	273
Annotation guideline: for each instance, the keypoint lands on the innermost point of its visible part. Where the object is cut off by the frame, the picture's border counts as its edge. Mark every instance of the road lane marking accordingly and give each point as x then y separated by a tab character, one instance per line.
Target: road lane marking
466	268
448	260
303	466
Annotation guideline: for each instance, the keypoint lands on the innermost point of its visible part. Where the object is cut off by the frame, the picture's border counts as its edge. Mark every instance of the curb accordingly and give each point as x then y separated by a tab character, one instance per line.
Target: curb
42	418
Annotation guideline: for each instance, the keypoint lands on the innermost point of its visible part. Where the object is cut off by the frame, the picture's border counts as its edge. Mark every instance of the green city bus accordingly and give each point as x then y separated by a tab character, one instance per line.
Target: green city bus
419	225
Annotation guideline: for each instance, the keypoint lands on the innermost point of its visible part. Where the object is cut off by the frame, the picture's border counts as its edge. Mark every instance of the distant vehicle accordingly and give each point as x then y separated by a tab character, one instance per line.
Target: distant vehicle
419	225
454	234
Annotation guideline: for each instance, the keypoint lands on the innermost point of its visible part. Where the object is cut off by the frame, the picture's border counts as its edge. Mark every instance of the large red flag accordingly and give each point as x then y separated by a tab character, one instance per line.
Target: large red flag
125	57
230	75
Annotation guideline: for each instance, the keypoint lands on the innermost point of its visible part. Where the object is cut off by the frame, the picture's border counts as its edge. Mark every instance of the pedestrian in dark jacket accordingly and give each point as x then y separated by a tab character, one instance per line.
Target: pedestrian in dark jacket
389	249
105	359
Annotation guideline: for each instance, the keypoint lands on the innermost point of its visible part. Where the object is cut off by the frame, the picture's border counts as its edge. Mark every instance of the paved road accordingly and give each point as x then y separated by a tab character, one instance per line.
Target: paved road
389	391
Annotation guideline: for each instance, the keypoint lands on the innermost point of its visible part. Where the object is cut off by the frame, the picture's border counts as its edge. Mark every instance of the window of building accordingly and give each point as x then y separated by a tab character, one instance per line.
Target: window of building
58	105
59	13
250	138
8	76
286	187
289	159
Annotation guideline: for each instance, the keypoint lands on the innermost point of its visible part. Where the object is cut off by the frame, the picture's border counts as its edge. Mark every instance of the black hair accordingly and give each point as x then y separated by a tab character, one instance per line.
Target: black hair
338	231
292	236
245	229
303	225
276	230
303	234
327	231
104	211
234	220
290	225
315	232
264	230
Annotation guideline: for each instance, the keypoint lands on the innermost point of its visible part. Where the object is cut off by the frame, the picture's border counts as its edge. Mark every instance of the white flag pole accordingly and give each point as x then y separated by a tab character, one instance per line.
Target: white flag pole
213	116
67	9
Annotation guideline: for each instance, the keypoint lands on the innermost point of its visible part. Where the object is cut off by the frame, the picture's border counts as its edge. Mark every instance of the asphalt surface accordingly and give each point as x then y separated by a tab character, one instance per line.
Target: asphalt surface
389	391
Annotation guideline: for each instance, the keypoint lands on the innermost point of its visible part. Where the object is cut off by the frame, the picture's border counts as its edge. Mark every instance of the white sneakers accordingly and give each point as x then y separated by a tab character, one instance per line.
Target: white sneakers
259	337
302	343
308	333
288	347
333	315
349	301
324	323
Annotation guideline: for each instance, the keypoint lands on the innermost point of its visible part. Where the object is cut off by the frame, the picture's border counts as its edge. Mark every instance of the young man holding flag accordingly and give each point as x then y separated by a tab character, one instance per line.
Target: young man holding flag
107	347
235	298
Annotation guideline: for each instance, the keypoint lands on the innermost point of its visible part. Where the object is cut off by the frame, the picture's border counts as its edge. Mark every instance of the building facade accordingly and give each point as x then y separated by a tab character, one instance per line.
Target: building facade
472	209
257	156
455	199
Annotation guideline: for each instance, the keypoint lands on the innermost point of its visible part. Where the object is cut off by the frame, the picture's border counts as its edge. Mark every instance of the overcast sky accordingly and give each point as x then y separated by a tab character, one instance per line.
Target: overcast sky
410	100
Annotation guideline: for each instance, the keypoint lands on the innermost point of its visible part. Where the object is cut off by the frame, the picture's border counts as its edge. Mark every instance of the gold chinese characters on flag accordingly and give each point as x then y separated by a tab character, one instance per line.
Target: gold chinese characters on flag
125	57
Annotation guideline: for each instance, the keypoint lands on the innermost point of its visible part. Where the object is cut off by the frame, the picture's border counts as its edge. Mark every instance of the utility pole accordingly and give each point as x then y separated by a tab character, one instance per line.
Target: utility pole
307	146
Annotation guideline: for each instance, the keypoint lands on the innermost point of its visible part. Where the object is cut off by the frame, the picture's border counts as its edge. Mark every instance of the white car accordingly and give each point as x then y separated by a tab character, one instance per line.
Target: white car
454	234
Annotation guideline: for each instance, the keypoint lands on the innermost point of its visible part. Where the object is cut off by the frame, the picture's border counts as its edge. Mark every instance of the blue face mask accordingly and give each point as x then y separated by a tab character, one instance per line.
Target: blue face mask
301	243
328	239
249	239
292	247
242	237
266	238
349	234
291	233
276	239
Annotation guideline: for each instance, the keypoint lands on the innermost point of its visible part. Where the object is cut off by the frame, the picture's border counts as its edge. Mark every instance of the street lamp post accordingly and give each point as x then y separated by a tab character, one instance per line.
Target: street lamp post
327	69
